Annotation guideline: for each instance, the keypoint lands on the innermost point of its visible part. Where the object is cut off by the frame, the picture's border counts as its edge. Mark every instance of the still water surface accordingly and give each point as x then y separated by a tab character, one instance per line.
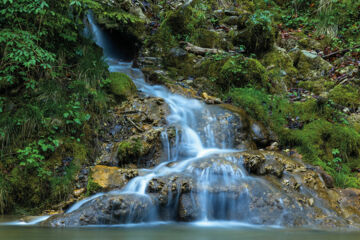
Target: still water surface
171	232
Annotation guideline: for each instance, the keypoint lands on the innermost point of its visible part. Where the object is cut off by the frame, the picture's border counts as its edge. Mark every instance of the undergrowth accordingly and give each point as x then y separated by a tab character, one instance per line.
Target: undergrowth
314	129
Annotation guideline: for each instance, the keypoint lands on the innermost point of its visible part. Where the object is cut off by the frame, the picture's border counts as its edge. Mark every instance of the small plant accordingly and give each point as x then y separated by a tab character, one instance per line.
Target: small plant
32	156
336	161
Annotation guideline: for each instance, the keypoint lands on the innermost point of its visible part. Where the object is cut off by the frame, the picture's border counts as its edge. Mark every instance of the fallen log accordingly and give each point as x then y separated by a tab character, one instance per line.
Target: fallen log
199	50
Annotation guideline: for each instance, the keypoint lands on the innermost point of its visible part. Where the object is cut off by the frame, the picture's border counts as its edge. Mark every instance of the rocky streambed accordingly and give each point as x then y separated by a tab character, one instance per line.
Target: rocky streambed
279	190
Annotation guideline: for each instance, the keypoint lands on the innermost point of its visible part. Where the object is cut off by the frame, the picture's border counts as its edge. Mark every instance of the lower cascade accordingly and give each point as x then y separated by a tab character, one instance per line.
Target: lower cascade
208	174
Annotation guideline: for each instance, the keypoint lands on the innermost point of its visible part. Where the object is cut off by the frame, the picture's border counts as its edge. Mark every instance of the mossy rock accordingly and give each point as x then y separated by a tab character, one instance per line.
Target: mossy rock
129	151
306	42
259	35
240	71
345	95
179	20
282	68
279	58
121	85
207	38
210	67
310	65
179	62
317	86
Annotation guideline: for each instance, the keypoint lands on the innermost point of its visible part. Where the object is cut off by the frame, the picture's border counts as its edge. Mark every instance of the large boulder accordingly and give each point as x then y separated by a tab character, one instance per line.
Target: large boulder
106	209
121	85
309	65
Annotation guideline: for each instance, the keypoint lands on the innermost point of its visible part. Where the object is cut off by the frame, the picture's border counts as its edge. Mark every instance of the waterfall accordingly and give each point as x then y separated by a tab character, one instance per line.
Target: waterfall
196	122
202	178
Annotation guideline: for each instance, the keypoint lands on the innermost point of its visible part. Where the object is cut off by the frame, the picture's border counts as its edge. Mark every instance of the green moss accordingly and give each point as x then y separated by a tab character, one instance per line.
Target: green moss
317	86
280	59
345	95
320	133
63	185
122	21
240	71
28	190
259	35
211	66
162	40
310	65
92	187
207	39
282	72
121	85
129	151
246	5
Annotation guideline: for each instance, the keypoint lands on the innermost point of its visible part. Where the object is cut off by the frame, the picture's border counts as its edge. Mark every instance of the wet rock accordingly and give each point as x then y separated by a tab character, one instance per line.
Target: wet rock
177	53
107	209
272	166
151	62
253	162
349	200
143	150
109	178
189	209
155	76
328	180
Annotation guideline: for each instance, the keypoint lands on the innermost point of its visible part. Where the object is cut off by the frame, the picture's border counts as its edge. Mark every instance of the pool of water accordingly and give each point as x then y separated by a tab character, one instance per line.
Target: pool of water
170	232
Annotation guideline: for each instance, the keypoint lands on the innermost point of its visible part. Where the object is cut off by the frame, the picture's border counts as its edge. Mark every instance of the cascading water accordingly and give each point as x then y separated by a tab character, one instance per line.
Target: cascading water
202	180
195	123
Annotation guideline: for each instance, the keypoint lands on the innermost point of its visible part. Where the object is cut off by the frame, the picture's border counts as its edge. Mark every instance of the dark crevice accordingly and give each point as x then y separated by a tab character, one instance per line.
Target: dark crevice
120	45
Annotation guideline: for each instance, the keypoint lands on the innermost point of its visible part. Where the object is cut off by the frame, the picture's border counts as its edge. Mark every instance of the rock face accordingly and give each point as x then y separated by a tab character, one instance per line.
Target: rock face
132	136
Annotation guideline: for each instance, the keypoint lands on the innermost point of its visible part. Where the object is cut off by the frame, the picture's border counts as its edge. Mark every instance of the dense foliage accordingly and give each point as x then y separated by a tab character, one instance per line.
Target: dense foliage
50	91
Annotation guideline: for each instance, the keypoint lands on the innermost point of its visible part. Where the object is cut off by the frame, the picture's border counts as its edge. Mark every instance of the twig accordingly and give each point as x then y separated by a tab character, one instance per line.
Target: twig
341	51
133	112
134	124
199	50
